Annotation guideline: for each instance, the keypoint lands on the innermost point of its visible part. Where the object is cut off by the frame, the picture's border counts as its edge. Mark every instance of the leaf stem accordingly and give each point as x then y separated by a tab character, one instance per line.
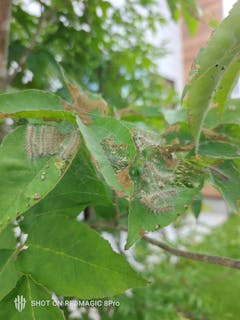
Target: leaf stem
201	257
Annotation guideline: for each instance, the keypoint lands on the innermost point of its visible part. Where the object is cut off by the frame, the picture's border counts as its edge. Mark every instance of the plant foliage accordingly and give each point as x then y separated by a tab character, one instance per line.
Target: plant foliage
72	151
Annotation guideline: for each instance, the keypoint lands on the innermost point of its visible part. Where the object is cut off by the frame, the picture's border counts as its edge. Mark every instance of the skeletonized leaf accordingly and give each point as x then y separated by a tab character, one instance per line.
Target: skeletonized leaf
85	103
101	160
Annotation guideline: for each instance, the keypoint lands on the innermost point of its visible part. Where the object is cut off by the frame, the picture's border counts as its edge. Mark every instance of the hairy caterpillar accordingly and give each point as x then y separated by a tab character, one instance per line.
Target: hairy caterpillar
167	193
158	209
155	202
41	141
46	140
70	145
30	141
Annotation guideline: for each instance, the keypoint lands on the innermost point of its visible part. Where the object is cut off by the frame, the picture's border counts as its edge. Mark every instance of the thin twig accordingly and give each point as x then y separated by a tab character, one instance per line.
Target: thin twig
5	17
23	58
211	259
223	261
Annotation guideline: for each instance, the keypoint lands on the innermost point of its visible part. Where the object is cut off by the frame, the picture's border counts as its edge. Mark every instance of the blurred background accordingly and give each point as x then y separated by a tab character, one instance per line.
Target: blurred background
137	54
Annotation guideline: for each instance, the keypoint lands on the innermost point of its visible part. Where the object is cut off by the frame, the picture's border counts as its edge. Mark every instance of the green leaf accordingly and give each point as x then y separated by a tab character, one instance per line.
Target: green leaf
190	14
142	218
115	139
189	10
231	112
229	115
212	64
26	176
81	186
174	116
7	239
8	273
33	104
172	4
161	193
226	86
99	156
77	261
196	205
226	177
221	150
32	292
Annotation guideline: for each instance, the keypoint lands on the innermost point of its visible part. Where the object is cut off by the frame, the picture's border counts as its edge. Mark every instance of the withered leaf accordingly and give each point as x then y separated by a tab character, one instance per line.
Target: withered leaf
83	104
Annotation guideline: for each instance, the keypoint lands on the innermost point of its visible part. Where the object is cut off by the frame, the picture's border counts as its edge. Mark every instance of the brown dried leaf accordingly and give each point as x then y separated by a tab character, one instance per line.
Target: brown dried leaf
124	178
83	104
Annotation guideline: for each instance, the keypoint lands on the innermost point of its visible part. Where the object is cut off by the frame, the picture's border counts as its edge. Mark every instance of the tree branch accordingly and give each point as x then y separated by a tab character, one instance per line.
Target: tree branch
5	17
223	261
201	257
22	60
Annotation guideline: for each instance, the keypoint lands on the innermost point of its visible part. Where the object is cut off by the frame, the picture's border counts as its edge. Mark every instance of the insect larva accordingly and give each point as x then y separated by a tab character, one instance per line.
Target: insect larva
165	208
70	146
167	193
30	141
42	141
157	196
52	140
158	209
